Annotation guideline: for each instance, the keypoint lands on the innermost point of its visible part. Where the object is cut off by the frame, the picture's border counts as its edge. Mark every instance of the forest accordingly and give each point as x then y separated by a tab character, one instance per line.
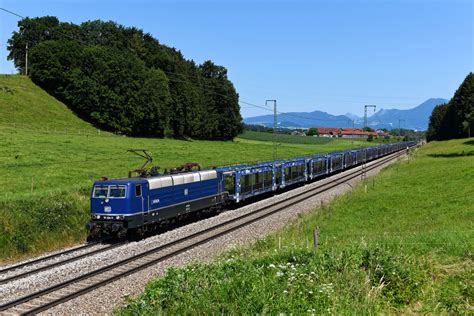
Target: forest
454	119
123	80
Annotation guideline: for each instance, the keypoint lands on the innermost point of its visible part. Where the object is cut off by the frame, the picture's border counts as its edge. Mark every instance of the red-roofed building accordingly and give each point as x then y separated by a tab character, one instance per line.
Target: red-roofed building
347	129
329	131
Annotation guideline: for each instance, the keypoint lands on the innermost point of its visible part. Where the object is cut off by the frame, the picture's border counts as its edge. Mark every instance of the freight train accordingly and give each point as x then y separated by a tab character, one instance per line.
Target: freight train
139	204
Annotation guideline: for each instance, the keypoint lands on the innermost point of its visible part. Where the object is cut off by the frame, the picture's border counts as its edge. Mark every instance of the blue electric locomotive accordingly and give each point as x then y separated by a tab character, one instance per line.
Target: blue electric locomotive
136	204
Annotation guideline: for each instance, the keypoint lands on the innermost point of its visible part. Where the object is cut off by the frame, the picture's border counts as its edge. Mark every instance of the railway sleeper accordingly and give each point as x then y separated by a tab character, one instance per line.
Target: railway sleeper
43	300
77	286
54	296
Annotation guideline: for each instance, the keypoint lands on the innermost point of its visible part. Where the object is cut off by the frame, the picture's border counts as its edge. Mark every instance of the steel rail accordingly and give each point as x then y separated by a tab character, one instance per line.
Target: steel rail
85	288
59	263
49	257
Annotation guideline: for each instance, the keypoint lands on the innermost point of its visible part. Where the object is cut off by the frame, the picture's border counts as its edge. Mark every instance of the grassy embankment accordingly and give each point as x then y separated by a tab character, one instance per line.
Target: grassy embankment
403	246
50	158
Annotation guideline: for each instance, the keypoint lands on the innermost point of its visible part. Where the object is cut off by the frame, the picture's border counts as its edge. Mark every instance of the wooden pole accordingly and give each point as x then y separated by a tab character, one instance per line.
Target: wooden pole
316	237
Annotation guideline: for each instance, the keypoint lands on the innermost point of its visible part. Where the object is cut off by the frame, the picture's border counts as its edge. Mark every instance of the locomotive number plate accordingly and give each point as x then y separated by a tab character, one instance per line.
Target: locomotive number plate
107	209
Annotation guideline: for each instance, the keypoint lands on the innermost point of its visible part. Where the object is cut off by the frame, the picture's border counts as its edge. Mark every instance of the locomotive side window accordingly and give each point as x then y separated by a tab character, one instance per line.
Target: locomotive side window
117	191
100	191
138	190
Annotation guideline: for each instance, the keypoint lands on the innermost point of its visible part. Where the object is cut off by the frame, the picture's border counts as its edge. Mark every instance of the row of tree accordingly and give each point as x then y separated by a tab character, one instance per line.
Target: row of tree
454	119
123	80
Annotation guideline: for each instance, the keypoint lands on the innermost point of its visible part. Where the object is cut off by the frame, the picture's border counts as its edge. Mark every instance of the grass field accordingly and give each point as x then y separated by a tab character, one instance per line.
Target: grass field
23	105
404	245
50	158
293	139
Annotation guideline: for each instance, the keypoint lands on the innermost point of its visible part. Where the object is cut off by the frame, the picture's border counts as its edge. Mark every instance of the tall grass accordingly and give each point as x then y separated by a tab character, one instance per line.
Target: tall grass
401	242
31	225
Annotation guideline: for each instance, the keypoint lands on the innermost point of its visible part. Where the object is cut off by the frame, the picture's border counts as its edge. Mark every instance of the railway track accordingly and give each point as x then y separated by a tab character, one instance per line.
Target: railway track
67	290
45	267
46	258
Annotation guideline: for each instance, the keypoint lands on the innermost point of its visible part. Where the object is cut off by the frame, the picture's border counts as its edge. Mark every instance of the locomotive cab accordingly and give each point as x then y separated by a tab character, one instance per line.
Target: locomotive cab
116	206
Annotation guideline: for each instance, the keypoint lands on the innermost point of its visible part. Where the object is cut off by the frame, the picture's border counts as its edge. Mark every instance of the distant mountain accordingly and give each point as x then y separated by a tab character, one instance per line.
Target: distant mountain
353	116
301	120
416	118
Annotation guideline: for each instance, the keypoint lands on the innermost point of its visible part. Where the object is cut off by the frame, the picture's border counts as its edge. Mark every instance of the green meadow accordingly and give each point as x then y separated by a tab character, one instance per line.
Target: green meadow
49	159
399	243
292	139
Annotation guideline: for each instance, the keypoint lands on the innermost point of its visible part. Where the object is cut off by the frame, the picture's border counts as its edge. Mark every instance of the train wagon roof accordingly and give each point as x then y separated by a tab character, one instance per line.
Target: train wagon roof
202	175
122	181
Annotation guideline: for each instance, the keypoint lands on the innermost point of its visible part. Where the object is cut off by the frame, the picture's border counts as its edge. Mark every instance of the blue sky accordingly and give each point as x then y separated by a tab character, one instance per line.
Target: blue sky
332	56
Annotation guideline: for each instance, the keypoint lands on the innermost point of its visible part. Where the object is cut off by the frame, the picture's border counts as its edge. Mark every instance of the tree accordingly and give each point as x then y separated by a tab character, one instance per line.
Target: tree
224	119
31	32
461	108
312	132
112	89
454	120
467	126
436	127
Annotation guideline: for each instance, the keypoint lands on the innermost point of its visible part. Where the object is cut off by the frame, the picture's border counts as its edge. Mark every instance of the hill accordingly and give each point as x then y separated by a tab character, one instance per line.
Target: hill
399	243
415	118
50	159
24	105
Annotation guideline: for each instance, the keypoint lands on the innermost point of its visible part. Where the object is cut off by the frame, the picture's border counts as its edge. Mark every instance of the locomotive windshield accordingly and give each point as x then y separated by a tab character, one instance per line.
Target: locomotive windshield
112	191
100	191
117	191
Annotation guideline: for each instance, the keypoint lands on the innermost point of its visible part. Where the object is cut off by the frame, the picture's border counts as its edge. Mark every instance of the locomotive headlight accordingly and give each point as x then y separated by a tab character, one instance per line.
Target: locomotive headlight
98	216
